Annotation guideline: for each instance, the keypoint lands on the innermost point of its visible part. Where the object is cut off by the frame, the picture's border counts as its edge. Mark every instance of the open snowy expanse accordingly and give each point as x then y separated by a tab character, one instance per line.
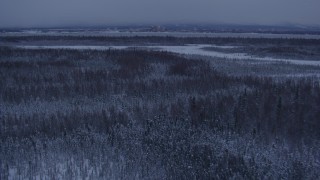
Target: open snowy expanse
192	49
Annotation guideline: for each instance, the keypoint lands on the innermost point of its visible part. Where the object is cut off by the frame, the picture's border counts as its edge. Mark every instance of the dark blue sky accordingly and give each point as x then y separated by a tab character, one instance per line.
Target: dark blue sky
40	13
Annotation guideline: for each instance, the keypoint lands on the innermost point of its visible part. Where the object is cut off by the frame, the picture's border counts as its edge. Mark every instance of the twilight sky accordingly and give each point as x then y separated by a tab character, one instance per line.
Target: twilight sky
43	13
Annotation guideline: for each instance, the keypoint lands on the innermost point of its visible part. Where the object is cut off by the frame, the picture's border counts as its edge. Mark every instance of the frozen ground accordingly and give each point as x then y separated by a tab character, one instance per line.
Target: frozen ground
75	47
195	49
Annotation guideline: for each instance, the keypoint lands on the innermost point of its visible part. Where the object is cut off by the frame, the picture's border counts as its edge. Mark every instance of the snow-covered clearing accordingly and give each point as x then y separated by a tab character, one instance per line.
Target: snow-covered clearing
194	49
101	48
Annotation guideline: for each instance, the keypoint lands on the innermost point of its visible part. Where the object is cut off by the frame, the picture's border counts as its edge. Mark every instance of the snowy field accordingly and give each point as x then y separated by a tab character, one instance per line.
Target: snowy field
192	49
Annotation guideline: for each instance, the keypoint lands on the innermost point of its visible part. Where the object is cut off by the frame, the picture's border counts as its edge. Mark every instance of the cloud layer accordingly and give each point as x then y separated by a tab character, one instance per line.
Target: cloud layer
40	13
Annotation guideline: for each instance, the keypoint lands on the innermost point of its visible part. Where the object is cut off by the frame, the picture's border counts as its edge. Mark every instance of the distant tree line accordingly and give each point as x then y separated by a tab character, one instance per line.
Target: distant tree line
107	40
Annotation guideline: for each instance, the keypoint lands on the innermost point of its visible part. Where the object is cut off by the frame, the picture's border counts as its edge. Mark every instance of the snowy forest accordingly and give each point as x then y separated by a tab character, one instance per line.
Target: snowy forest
142	114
